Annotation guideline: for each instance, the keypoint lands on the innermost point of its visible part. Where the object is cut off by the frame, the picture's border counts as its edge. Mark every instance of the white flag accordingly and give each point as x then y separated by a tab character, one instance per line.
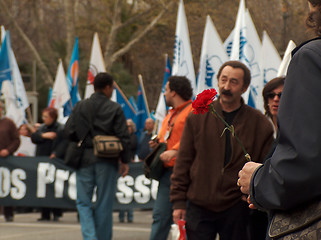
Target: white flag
183	60
269	64
96	65
213	56
270	59
238	33
286	59
60	91
228	44
14	111
20	91
247	48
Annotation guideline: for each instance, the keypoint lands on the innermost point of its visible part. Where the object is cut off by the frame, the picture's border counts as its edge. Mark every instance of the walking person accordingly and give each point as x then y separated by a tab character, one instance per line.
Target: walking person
178	94
204	191
103	117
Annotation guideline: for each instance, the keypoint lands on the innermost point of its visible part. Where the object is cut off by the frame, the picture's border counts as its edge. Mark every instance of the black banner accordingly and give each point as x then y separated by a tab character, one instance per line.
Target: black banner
45	182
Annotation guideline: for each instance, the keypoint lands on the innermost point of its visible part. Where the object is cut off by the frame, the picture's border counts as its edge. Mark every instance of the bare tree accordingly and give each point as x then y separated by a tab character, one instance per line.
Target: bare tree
69	6
111	53
41	64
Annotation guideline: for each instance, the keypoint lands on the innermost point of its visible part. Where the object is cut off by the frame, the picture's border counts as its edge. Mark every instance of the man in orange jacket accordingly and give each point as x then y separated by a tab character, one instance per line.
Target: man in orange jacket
178	94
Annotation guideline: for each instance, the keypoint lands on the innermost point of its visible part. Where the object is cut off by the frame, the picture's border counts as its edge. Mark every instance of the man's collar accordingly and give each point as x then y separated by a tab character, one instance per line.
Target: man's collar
183	105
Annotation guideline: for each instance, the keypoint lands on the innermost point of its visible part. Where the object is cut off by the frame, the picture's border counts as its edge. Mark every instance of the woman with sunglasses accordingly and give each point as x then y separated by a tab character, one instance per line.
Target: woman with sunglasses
272	95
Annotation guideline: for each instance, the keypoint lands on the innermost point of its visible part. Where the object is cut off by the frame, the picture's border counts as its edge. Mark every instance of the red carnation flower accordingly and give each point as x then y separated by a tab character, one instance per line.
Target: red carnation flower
203	100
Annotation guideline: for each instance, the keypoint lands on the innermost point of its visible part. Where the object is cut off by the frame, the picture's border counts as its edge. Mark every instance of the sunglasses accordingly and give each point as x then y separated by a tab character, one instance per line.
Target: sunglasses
272	95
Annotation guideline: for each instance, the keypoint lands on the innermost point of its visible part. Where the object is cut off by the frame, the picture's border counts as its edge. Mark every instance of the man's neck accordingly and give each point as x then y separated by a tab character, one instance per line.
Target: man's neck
178	102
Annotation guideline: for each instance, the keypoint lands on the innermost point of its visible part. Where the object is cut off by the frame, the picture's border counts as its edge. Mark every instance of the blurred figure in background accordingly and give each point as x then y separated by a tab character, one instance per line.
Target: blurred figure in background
9	143
50	141
143	145
133	138
132	148
27	148
272	95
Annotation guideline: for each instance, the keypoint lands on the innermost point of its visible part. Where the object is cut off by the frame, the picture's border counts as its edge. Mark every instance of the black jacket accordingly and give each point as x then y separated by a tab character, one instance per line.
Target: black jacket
106	118
292	175
45	147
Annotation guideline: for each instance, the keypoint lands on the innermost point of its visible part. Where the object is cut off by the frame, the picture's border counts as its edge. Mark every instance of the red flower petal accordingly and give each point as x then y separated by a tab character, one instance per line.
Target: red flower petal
203	100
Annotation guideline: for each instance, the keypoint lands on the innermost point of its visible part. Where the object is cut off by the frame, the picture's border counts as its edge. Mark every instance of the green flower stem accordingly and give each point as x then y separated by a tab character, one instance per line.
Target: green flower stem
231	129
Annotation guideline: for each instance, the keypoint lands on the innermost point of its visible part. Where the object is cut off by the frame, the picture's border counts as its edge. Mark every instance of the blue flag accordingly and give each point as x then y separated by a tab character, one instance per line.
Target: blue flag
72	80
142	112
133	102
5	71
124	103
167	74
49	96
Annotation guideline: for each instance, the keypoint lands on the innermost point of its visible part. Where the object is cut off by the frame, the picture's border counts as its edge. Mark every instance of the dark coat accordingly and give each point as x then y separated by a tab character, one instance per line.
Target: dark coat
106	118
292	176
45	147
199	173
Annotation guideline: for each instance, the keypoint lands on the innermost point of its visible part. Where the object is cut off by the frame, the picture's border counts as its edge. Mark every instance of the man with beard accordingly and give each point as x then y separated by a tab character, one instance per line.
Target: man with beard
178	94
204	190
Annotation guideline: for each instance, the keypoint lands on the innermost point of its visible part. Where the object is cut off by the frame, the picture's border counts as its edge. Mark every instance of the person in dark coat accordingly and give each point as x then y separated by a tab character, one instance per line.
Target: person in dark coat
100	116
50	141
291	176
143	146
9	143
132	147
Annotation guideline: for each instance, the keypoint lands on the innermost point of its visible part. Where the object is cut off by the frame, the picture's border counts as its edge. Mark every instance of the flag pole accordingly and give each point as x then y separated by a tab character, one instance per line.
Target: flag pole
140	79
30	120
124	96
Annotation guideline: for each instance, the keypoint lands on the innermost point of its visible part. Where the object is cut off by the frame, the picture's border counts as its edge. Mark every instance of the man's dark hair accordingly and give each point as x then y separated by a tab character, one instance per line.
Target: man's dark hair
102	80
269	87
313	20
182	86
237	64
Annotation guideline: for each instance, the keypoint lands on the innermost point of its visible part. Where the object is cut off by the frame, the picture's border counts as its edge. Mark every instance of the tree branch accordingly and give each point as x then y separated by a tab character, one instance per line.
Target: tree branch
128	46
41	64
112	34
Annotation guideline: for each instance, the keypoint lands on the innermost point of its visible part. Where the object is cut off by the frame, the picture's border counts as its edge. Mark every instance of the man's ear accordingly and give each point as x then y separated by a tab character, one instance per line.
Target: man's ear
245	88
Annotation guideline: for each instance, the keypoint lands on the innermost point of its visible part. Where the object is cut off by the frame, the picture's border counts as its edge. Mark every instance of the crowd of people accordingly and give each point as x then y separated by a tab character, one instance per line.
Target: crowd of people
207	181
200	167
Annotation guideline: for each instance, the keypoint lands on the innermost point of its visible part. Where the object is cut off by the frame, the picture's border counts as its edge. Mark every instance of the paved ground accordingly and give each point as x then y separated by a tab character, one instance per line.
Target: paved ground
26	227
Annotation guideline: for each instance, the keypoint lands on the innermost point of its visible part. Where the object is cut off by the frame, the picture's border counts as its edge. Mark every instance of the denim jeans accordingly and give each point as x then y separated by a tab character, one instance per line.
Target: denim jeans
162	212
96	219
